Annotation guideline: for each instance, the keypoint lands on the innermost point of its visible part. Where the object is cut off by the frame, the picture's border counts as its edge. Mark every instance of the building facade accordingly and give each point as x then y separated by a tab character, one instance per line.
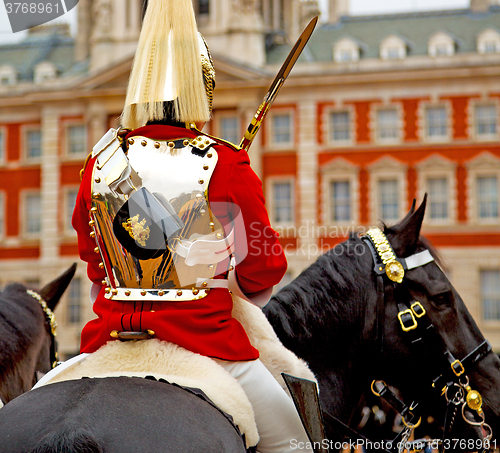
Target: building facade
378	111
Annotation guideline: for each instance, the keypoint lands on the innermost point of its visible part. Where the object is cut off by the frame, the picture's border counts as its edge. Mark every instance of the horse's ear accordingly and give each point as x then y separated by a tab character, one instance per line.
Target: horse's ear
52	292
407	231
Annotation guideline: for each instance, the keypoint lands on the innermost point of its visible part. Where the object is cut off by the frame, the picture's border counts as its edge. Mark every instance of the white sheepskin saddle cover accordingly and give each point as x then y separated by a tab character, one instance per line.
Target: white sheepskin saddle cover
178	365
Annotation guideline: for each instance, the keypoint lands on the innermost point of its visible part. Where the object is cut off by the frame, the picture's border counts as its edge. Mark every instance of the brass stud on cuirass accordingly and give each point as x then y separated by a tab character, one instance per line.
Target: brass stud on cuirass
157	145
101	265
128	292
114	292
179	293
144	143
92	234
205	167
209	155
96	250
171	144
92	223
160	293
200	181
196	291
131	141
143	293
97	180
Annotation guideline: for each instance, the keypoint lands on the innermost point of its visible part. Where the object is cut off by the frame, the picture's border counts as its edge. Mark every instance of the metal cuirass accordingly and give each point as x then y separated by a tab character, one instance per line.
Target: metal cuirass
154	227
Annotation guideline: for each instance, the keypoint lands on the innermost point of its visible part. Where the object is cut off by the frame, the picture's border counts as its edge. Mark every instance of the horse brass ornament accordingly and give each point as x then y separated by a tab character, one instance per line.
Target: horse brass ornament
393	268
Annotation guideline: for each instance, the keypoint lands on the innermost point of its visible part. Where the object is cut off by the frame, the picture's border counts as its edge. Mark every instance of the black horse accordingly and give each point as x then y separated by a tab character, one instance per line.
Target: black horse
343	320
333	316
26	339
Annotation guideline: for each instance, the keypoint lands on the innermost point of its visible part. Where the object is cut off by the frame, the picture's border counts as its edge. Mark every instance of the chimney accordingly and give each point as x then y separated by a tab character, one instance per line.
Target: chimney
481	6
337	9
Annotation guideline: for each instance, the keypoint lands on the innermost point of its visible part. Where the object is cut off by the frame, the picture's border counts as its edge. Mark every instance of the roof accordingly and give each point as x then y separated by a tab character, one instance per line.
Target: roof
462	25
51	47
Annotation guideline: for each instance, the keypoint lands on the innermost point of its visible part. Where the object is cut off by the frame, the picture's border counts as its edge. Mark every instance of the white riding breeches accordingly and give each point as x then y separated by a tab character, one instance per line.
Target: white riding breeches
278	422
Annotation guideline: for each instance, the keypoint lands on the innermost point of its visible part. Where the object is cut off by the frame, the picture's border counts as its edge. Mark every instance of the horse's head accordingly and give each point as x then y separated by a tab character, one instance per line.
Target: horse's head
27	328
427	342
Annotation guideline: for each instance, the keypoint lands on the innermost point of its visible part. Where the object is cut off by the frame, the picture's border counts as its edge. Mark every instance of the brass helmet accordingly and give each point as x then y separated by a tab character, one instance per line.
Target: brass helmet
172	65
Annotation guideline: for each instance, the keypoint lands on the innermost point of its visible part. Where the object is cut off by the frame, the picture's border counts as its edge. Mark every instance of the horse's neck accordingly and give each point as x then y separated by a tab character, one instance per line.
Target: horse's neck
340	393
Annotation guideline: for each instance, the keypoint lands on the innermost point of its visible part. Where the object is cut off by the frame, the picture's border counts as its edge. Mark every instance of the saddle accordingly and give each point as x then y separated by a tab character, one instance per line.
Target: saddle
177	365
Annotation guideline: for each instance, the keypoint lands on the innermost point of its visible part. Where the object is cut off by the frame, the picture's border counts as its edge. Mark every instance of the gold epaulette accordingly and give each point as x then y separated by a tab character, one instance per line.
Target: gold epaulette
85	165
217	139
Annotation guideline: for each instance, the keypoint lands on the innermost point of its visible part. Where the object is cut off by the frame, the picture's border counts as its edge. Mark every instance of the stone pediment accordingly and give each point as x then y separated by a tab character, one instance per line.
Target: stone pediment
116	76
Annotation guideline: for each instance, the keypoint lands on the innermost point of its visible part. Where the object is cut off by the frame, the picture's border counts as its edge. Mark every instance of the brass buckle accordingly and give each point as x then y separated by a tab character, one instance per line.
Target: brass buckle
400	317
460	371
374	384
421	310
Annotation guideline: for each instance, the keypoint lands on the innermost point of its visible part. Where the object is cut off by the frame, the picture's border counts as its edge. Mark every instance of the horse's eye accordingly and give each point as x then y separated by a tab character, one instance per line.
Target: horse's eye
442	299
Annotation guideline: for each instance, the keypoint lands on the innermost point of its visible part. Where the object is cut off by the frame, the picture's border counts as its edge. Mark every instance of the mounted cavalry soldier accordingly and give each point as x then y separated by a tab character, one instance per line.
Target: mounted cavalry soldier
172	222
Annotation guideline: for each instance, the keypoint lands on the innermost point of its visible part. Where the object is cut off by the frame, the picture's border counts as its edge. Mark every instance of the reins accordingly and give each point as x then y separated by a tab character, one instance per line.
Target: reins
453	381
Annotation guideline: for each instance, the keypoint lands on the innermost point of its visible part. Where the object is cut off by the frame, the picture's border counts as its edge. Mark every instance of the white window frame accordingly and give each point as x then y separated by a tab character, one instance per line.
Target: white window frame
339	169
67	152
69	321
423	108
481	299
351	124
390	44
436	166
3	199
24	217
271	202
24	142
486	37
281	145
3	145
44	72
8	73
346	46
224	116
383	169
376	125
66	221
440	45
473	132
483	165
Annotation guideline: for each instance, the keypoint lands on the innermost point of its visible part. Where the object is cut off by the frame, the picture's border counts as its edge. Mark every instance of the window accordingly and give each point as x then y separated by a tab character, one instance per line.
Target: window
70	203
229	129
74	301
487	197
340	126
387	124
203	6
340	196
33	214
486	120
2	146
346	50
437	188
436	121
76	139
388	192
2	214
8	75
488	41
393	48
441	44
33	144
490	294
282	202
282	129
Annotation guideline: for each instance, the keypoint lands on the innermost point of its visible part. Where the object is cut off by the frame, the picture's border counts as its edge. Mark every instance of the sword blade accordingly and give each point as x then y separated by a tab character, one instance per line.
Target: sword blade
275	87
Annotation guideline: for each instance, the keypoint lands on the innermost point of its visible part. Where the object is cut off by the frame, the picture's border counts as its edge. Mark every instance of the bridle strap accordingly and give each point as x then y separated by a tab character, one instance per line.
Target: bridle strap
51	324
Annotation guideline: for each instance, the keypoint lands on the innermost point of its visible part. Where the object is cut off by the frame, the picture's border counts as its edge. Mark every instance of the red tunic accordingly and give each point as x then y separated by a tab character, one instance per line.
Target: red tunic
204	325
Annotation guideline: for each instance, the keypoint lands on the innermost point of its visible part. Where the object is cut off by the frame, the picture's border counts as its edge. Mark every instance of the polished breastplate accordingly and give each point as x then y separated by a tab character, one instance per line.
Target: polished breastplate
154	227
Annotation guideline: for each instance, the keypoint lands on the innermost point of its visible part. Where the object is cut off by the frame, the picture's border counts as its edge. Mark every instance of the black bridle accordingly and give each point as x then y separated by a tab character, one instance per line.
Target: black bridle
421	333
